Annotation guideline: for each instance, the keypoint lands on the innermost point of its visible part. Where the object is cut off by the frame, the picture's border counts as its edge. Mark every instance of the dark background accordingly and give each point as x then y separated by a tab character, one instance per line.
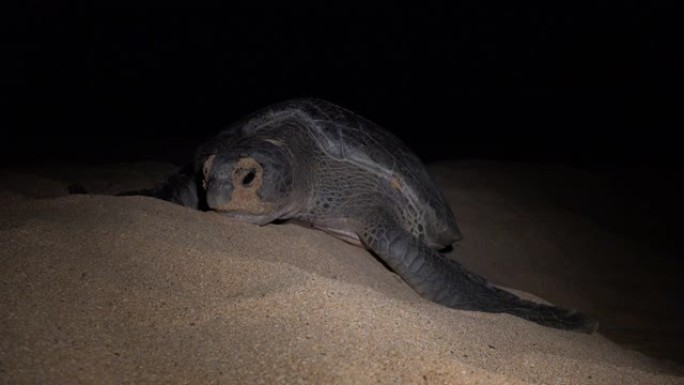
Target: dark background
583	84
597	86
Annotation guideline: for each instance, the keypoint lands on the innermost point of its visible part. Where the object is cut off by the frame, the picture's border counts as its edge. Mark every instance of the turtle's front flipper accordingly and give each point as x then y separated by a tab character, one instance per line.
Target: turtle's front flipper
448	283
181	188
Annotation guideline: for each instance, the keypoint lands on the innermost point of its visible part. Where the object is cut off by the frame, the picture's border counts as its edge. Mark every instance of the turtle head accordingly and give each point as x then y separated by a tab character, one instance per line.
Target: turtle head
252	181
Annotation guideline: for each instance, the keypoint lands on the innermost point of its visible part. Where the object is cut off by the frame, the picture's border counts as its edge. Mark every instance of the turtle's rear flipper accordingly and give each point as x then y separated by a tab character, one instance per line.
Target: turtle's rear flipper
448	283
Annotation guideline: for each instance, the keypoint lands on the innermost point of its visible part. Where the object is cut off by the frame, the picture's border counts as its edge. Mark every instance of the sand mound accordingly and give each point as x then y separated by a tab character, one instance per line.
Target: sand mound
101	289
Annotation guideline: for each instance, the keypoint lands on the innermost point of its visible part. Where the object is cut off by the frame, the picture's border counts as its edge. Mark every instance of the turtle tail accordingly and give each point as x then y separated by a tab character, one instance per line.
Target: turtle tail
448	283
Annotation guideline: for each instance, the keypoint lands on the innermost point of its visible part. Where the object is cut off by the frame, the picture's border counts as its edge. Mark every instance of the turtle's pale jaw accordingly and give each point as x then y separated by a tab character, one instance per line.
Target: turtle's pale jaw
260	220
241	204
283	213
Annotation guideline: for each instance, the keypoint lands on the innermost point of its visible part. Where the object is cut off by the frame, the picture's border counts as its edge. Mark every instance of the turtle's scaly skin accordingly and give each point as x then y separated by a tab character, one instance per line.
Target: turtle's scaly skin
314	161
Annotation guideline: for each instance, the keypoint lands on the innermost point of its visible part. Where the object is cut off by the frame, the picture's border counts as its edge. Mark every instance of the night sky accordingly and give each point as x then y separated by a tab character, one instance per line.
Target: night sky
581	84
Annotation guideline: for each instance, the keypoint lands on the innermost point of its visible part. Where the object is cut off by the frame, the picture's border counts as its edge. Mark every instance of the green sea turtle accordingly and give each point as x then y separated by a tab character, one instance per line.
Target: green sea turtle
311	160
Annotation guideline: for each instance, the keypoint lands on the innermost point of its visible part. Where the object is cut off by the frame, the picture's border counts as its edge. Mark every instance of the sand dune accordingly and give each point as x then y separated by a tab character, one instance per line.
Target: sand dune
111	290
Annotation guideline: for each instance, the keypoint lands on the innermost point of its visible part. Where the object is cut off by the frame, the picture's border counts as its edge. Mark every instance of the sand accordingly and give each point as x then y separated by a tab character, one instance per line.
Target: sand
98	289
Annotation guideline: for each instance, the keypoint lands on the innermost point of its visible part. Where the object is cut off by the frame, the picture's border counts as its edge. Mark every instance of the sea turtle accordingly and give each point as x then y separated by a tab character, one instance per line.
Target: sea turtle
314	161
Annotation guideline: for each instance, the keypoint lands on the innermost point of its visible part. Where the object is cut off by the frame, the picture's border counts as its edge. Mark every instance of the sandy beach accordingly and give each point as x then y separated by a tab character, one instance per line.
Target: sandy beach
99	289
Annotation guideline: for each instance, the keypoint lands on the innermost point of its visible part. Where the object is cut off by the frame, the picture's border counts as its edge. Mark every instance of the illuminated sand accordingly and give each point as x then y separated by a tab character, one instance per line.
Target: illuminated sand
110	290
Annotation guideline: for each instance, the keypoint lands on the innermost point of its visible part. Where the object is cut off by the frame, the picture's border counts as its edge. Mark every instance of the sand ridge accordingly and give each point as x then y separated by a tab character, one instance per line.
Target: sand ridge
102	289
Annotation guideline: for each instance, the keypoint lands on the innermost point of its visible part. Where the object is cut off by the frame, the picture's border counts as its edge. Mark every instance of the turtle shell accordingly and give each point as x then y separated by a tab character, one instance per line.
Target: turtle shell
344	135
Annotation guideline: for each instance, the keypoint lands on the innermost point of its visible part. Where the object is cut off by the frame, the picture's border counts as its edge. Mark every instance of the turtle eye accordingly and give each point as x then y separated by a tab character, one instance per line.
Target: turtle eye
249	177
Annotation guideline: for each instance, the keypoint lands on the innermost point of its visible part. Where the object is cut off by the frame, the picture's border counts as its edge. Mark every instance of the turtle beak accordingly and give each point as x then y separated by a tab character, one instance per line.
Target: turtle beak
218	194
